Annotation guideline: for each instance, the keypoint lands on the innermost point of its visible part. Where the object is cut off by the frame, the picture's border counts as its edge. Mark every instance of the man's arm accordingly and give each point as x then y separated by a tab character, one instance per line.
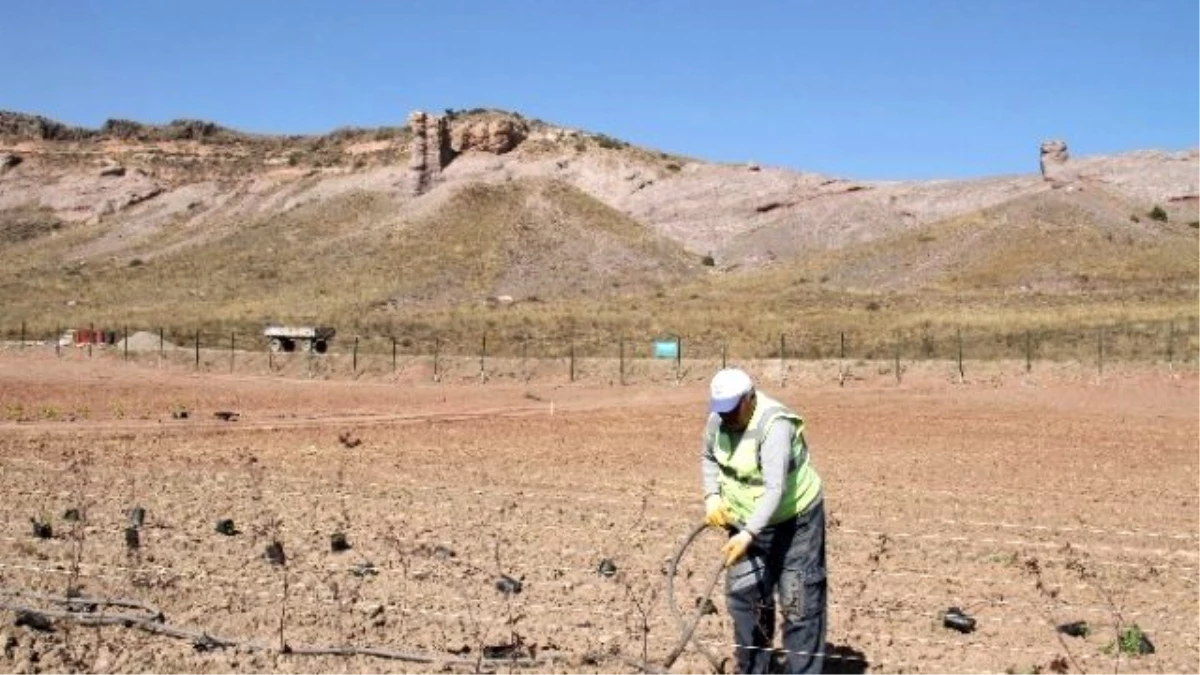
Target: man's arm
775	452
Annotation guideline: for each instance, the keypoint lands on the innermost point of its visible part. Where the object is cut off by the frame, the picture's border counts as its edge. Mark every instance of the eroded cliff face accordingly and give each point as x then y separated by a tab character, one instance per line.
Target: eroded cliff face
135	180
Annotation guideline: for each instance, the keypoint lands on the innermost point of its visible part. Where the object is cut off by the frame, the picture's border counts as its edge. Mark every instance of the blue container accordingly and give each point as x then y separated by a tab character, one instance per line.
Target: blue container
666	349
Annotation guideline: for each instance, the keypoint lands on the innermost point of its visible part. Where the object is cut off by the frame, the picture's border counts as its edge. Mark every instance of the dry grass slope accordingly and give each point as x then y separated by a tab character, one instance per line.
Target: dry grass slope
593	239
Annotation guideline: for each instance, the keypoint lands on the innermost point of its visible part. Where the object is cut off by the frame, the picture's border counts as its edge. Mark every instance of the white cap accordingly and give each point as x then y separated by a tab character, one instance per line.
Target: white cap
727	388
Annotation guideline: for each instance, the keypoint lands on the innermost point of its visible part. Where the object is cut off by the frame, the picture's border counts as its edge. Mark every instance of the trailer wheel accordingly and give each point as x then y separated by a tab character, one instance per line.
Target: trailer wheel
319	346
276	345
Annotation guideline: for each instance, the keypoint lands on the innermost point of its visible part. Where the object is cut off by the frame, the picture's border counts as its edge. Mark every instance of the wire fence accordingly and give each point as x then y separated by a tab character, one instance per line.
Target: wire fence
572	358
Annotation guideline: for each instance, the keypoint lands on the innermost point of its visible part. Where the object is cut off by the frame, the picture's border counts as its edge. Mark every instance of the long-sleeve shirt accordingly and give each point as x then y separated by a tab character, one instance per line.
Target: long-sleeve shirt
774	455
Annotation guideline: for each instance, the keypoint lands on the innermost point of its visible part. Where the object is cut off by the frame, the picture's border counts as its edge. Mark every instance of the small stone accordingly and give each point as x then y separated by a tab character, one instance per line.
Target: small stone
133	540
508	585
338	543
275	554
34	621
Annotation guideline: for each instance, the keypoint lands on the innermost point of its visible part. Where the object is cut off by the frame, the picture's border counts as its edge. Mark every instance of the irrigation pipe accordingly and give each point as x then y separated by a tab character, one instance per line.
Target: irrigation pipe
152	621
689	628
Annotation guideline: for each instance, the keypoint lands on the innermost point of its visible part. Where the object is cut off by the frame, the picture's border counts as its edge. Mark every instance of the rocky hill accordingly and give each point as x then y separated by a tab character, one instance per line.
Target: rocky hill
482	204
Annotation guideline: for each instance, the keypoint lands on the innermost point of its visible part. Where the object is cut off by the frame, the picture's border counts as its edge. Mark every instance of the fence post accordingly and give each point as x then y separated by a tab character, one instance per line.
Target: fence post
197	350
125	342
393	353
57	340
572	368
22	335
232	348
678	356
621	342
841	358
1170	345
782	361
161	348
482	357
91	337
524	353
354	358
961	373
436	346
897	357
1100	349
1028	351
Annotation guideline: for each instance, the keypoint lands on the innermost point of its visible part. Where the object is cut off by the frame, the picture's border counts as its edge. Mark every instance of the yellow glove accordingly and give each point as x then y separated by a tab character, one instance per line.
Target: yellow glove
736	547
715	514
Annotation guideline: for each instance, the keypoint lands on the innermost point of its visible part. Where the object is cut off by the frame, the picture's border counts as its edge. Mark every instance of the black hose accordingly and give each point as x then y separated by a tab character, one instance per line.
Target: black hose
689	628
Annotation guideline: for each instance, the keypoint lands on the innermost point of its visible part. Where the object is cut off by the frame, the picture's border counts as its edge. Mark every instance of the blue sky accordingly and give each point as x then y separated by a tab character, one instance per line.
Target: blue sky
871	89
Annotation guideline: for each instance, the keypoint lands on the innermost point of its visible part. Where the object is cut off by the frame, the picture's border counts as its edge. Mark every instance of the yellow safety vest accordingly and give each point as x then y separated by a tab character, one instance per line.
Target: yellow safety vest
741	478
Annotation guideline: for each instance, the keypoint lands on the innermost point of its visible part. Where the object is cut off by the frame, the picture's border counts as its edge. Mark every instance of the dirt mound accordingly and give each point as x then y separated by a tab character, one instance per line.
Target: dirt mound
143	341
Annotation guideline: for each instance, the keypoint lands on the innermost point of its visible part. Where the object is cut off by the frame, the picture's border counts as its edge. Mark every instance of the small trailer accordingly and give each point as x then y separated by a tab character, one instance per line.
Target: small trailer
310	338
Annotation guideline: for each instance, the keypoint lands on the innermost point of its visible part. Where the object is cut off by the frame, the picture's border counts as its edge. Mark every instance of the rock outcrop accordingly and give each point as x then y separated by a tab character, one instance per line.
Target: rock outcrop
430	151
1053	160
496	135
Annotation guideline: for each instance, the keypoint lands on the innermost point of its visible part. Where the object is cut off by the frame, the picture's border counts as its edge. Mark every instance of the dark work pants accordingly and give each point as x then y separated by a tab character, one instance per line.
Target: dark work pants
785	560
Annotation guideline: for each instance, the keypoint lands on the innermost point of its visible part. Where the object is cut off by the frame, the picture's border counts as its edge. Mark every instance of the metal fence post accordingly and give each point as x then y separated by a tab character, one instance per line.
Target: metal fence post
782	361
232	348
841	358
678	356
91	337
572	366
621	351
22	335
126	342
1170	345
897	357
354	359
393	353
437	343
197	350
482	357
961	374
1028	351
57	340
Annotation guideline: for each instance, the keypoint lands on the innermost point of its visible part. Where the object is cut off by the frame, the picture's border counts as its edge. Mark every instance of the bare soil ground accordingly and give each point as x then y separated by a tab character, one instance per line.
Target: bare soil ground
1026	500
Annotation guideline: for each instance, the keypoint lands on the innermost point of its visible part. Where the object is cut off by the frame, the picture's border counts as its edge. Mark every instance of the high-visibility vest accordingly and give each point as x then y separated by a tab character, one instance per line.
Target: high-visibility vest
741	478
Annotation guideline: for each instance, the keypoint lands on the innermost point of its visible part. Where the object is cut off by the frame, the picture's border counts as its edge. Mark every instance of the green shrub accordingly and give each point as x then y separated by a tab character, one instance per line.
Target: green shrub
1157	213
609	143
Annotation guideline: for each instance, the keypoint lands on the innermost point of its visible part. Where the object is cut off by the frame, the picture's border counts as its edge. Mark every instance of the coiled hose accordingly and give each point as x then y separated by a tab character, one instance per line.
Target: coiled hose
688	628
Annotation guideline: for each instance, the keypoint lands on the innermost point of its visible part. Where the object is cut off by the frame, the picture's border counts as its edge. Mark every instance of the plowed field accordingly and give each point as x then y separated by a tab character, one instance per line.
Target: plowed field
1028	501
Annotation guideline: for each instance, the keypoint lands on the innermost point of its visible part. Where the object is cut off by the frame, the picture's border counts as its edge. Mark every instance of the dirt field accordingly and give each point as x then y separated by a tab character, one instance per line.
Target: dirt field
1026	501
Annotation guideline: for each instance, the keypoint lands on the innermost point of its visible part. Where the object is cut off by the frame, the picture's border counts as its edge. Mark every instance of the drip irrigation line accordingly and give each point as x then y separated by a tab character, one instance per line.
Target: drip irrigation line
688	629
156	624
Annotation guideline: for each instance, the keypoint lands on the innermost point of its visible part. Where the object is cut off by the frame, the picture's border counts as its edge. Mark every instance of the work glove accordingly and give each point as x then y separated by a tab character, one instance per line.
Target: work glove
736	547
715	513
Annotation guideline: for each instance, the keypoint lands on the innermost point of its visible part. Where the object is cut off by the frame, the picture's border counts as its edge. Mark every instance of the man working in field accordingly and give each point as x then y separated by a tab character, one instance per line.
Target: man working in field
760	486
